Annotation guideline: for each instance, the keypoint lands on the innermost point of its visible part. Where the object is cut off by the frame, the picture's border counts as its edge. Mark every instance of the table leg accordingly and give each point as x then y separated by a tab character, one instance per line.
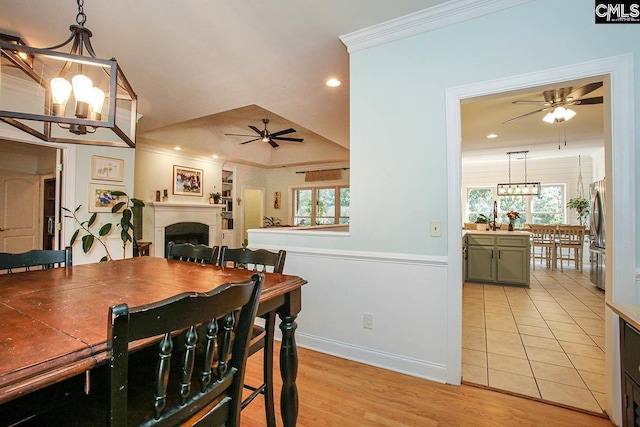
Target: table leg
289	370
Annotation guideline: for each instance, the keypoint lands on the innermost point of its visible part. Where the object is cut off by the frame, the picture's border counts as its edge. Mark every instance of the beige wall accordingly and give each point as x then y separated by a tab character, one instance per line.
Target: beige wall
284	180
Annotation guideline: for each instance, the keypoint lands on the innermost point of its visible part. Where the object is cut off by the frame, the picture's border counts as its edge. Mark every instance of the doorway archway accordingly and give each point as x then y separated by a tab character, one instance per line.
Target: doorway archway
619	151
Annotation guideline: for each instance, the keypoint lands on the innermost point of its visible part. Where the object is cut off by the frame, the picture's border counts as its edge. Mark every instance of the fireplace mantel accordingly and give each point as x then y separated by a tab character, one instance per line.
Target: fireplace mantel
167	213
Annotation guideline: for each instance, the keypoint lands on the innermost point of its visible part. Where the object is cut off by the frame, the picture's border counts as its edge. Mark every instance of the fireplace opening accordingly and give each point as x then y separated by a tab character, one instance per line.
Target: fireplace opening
186	232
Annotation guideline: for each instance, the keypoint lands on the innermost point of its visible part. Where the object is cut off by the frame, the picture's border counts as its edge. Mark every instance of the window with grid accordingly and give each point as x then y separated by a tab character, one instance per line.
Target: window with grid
512	203
321	205
548	208
479	201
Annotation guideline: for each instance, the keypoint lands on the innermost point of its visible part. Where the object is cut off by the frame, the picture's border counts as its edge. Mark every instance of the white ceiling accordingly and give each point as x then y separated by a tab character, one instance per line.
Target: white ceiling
199	58
203	68
584	133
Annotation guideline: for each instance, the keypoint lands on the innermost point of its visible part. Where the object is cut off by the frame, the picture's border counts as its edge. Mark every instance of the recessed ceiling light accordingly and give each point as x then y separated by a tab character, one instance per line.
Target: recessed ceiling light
492	135
215	156
177	148
333	83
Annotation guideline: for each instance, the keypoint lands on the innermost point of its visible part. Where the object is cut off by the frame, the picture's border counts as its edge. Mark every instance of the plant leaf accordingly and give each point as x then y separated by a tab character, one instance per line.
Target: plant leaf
74	237
92	219
125	236
137	202
64	209
104	258
117	207
118	193
105	229
77	209
87	242
126	215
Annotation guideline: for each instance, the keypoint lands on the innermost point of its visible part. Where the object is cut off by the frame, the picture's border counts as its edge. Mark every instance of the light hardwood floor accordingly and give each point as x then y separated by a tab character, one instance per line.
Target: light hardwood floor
338	392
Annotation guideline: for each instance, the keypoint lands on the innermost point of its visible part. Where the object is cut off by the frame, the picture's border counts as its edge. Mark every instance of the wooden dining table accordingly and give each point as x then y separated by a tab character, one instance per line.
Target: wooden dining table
53	323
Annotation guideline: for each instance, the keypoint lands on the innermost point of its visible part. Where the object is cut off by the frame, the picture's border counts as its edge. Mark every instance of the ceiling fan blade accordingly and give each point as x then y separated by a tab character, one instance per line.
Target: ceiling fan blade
582	91
237	134
283	132
246	142
526	115
273	143
530	102
256	130
280	138
588	101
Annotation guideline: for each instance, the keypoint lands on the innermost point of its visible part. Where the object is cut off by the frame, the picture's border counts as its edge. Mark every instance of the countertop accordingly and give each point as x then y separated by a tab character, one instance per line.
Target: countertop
629	312
502	232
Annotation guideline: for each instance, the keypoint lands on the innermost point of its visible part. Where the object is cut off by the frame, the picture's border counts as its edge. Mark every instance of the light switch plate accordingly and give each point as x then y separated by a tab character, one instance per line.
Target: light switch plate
436	228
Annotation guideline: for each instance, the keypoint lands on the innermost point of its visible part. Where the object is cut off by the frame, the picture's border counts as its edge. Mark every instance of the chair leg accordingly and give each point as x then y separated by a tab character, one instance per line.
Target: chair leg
267	367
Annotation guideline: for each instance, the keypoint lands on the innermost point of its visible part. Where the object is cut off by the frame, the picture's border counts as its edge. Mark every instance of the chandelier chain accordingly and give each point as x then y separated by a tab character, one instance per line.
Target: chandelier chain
81	18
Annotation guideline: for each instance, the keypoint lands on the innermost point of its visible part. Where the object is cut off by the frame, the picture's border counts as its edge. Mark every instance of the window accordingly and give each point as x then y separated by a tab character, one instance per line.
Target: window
549	207
320	206
479	201
513	203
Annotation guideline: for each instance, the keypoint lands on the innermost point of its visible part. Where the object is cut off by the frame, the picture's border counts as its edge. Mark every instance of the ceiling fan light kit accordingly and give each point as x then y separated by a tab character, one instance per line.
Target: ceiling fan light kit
557	101
559	114
37	84
525	188
266	136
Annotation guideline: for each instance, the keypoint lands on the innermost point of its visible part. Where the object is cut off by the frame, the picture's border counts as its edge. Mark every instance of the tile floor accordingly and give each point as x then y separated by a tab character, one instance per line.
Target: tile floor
546	342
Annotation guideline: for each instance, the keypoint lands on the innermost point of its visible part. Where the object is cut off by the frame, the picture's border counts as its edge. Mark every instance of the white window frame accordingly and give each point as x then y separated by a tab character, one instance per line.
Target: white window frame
314	204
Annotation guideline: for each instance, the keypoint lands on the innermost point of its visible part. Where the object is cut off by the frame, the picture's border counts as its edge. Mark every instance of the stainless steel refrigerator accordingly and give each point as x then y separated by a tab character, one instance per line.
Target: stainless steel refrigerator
597	238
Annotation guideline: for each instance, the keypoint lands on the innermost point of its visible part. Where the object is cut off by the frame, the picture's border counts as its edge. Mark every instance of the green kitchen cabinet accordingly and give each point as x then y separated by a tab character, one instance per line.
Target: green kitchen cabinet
498	257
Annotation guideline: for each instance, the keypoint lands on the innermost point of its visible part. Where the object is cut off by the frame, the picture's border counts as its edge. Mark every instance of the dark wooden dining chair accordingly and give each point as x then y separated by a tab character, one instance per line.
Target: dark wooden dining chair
36	258
202	254
262	337
193	376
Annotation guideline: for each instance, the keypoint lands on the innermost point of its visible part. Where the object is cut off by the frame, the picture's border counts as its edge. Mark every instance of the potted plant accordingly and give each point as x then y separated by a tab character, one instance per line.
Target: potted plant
581	206
214	198
482	222
126	211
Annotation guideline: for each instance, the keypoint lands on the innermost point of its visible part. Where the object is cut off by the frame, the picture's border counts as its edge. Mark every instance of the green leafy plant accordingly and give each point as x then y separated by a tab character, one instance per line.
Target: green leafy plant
215	197
581	206
270	221
89	237
482	219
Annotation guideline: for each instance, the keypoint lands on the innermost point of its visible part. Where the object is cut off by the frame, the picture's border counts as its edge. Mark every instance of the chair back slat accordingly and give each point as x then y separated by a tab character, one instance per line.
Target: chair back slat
256	260
202	254
35	258
201	331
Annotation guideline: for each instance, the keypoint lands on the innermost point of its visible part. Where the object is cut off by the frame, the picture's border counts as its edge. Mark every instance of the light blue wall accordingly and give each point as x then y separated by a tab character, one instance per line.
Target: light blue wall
398	104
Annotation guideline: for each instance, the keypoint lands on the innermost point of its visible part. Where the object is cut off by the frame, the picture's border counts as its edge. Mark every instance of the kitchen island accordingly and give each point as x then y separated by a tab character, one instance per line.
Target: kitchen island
498	257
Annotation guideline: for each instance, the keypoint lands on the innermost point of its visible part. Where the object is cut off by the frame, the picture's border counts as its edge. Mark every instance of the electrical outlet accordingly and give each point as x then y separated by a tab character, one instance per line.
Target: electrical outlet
367	320
436	228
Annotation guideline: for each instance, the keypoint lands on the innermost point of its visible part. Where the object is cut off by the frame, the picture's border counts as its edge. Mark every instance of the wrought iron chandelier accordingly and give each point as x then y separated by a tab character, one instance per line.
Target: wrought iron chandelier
525	188
37	86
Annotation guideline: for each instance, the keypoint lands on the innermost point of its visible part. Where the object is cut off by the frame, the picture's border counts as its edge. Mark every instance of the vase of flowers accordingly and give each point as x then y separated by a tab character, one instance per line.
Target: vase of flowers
512	215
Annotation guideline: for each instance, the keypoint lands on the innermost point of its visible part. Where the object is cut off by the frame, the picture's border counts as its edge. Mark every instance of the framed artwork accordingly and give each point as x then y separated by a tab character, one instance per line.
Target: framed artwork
101	199
187	181
107	168
276	200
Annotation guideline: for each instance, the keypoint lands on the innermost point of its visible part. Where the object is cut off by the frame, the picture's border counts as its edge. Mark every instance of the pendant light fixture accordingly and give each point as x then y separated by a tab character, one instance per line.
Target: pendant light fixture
66	97
525	188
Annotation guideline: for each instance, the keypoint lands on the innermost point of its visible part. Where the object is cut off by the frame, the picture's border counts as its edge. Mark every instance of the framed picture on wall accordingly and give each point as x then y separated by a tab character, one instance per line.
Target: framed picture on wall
107	168
187	181
101	199
276	200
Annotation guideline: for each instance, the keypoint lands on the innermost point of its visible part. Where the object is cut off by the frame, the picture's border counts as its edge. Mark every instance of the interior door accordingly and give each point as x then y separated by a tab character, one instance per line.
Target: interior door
253	209
19	212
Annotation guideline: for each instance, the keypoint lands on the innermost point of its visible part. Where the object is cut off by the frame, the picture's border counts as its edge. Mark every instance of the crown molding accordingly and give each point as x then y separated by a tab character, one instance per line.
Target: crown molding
449	13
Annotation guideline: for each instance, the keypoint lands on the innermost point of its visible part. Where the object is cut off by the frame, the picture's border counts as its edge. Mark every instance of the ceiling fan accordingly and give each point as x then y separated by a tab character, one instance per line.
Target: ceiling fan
266	136
556	102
